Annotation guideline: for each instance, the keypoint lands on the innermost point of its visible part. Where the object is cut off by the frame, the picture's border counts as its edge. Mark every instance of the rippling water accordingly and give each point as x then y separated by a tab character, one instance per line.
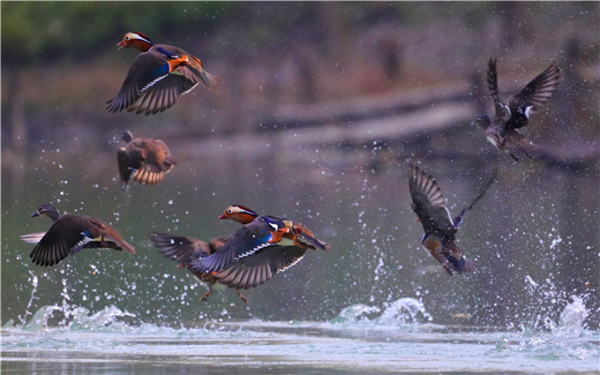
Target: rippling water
359	339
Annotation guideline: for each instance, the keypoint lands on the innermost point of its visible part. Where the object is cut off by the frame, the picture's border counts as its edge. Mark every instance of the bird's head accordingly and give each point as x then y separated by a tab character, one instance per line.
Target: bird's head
137	40
239	213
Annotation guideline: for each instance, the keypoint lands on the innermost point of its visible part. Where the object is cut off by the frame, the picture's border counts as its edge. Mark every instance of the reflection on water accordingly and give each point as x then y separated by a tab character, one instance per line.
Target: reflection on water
103	342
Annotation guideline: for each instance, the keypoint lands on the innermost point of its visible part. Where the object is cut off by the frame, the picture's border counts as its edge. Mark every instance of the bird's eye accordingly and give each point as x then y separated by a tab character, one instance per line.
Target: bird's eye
229	211
126	38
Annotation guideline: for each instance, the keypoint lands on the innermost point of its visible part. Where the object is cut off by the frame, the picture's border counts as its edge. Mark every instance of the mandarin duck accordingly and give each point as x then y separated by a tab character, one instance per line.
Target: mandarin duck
258	250
69	235
184	250
143	159
158	77
502	130
298	232
440	229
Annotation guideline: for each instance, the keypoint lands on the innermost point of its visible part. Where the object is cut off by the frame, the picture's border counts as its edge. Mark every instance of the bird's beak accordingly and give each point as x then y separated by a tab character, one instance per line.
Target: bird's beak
35	214
222	217
120	45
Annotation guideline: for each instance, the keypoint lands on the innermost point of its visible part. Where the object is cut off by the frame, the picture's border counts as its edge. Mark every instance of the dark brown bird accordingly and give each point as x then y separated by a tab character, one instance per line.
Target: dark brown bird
143	159
70	234
502	131
184	250
440	229
158	77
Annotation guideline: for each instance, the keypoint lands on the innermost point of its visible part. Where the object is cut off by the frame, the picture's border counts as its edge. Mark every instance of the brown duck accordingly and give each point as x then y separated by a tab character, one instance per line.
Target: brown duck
184	250
69	235
440	229
502	131
158	77
143	159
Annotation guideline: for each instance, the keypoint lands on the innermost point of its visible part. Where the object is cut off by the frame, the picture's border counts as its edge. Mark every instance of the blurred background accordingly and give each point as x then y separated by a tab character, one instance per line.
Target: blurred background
322	106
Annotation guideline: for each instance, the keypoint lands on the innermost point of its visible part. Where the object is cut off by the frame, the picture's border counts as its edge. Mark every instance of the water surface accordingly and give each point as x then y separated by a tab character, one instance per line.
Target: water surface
361	339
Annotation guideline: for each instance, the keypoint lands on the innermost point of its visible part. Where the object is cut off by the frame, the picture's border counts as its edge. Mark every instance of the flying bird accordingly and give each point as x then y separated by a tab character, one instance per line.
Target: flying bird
262	247
184	250
158	77
69	235
143	159
501	131
440	229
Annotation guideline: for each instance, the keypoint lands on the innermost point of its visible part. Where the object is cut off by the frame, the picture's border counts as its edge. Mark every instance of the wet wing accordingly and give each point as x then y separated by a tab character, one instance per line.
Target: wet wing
256	270
533	96
146	71
162	95
492	81
429	203
63	237
179	248
249	239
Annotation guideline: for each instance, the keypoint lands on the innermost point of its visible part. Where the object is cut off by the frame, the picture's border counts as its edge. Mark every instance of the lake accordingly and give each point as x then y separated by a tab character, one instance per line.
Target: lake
396	340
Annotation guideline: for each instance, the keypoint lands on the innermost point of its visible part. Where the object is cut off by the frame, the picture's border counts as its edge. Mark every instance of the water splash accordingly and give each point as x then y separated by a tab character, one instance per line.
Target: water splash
39	321
79	318
355	313
405	310
572	318
566	339
66	307
34	283
402	311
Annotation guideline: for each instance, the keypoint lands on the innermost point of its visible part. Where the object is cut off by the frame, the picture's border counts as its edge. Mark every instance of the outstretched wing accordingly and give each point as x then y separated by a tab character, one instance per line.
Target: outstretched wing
162	95
459	219
64	236
259	268
249	239
429	203
179	248
492	81
533	96
146	71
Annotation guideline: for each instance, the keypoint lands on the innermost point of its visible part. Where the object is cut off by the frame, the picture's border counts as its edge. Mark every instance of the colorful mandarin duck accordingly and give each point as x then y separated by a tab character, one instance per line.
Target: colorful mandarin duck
146	160
502	132
440	230
158	77
258	250
69	235
298	233
186	249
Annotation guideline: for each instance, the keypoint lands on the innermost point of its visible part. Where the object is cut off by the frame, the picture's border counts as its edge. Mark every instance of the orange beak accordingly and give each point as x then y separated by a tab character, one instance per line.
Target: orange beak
222	217
120	45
